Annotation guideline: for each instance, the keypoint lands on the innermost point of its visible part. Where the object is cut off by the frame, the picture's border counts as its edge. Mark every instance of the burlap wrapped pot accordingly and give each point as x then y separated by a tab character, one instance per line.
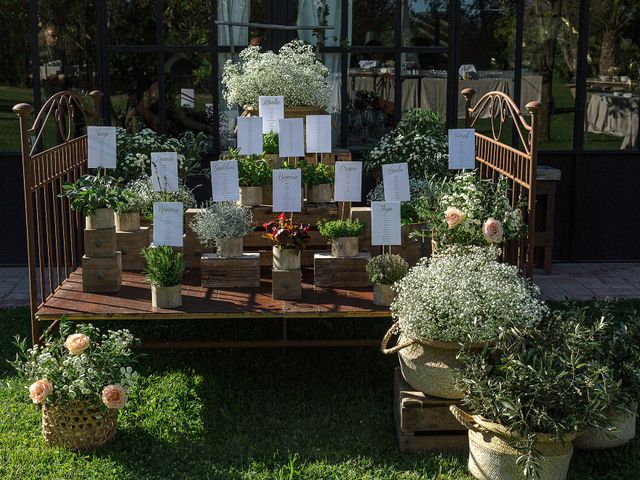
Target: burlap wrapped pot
624	430
492	456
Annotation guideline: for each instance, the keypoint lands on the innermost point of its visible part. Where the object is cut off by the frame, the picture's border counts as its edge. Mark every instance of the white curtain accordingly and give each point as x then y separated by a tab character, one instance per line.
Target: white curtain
239	13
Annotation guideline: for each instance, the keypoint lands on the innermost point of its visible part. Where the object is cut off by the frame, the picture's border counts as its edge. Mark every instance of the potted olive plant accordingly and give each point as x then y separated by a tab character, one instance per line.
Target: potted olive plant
463	296
383	271
164	269
254	173
319	178
342	235
96	196
223	224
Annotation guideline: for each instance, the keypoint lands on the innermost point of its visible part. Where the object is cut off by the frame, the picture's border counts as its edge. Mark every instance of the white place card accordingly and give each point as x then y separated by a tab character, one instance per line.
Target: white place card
271	109
462	149
102	147
168	223
385	223
348	182
250	135
395	178
291	137
187	97
318	133
224	181
164	171
287	190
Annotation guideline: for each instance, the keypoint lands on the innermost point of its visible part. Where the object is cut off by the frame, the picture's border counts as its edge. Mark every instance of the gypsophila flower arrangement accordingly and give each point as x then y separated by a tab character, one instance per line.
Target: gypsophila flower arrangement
464	295
220	220
293	72
145	196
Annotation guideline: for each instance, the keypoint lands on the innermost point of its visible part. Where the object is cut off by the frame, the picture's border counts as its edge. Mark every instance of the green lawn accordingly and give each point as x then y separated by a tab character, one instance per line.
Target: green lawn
247	414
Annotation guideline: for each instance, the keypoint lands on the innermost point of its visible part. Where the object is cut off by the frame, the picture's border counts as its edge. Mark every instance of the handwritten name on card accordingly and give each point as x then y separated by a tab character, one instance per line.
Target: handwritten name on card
395	179
318	133
348	182
462	148
164	171
385	223
291	137
102	147
187	97
271	109
250	135
287	190
168	223
224	181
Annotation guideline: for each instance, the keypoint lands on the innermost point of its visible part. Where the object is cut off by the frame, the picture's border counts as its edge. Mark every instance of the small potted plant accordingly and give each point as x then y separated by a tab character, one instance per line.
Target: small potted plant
342	235
319	179
164	269
288	240
383	271
80	379
223	224
253	174
96	196
128	212
463	296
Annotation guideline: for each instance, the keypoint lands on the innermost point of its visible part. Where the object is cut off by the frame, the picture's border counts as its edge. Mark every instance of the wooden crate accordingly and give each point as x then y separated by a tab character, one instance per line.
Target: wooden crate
412	249
424	423
341	155
286	284
130	244
102	274
240	272
364	215
330	271
311	214
100	242
192	248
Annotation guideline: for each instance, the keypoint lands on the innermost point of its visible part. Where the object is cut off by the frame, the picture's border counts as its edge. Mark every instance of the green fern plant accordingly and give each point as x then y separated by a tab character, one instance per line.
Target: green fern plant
164	267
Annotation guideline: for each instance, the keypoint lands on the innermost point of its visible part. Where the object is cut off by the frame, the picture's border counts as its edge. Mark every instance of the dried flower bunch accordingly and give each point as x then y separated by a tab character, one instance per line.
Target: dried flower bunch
78	363
464	295
286	234
386	269
220	220
294	72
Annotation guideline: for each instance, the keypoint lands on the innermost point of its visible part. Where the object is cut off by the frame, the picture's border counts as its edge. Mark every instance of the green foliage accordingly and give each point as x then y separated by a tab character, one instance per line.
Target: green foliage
221	220
386	269
315	173
270	144
91	192
144	197
332	229
253	171
164	267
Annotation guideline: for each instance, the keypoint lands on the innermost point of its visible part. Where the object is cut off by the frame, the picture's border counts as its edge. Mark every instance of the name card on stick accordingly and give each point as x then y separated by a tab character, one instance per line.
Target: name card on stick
348	182
395	178
250	135
224	181
187	97
291	137
287	190
385	223
271	109
318	133
462	148
168	223
102	147
164	171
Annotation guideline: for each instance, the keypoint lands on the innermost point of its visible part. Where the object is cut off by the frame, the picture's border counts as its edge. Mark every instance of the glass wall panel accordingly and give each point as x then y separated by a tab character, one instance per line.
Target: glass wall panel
425	88
373	22
131	22
134	91
187	23
425	23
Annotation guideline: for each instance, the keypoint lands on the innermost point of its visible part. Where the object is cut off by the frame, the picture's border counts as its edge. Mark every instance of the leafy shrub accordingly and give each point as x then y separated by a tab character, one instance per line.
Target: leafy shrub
221	220
270	143
420	189
315	173
144	197
332	229
91	192
386	269
164	267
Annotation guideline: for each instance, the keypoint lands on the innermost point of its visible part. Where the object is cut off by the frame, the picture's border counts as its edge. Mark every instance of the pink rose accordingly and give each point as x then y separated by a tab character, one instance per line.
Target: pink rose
454	217
39	391
76	343
492	230
114	396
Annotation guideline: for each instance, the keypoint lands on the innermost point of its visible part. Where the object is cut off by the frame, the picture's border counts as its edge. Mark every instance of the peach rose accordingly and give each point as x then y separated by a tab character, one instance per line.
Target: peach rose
454	217
492	230
39	391
76	343
114	396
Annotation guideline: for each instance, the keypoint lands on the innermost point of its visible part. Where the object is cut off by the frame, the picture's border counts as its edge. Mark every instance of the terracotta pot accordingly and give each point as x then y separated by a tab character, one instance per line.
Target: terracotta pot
103	218
250	196
229	247
286	258
128	222
383	294
166	297
344	247
320	193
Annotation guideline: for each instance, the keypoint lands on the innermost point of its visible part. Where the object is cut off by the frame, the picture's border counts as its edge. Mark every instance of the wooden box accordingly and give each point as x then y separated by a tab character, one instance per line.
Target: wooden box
100	243
413	249
192	249
102	274
330	271
240	272
286	284
130	244
424	423
364	215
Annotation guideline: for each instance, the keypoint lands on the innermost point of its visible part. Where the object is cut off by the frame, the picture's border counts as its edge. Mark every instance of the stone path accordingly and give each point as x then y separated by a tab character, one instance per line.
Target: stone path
577	281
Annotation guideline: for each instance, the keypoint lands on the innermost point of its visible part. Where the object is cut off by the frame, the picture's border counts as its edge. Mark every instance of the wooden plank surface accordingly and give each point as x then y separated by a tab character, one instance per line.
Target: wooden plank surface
340	271
237	272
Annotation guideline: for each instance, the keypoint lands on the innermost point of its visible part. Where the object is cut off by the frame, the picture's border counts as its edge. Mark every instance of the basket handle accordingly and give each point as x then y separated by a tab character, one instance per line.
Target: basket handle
385	341
464	418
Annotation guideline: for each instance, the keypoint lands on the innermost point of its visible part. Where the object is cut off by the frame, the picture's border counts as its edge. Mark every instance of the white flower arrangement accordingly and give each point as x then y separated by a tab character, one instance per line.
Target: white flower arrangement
144	197
293	72
464	295
220	220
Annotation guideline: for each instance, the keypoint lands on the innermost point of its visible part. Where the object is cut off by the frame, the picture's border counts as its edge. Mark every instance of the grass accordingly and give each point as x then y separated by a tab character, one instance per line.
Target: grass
247	414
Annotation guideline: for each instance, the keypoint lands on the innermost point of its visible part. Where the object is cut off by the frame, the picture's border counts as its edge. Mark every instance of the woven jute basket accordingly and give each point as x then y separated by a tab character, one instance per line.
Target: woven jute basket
427	365
492	456
624	430
78	425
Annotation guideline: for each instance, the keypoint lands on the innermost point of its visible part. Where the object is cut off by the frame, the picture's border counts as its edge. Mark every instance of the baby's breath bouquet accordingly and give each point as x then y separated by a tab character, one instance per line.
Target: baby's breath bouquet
293	72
